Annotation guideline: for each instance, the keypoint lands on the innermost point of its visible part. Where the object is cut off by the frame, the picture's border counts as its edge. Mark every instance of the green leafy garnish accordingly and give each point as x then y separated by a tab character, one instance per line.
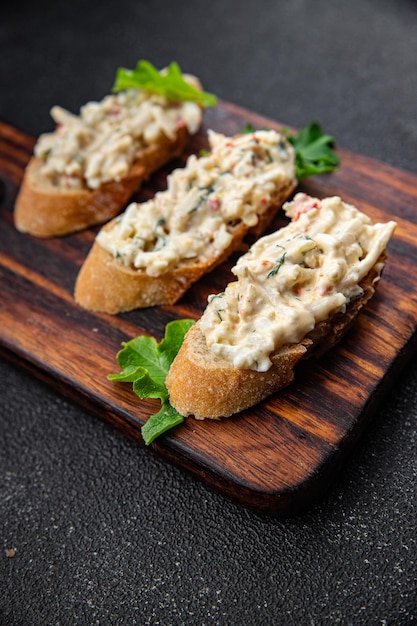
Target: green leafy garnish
313	151
169	83
146	363
247	129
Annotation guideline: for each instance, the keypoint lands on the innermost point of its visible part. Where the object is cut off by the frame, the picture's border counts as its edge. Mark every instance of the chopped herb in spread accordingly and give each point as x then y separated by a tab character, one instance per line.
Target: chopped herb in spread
279	263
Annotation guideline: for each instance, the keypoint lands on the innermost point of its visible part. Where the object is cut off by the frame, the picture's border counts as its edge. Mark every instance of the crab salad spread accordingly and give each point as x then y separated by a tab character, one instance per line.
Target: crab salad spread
102	142
194	218
292	279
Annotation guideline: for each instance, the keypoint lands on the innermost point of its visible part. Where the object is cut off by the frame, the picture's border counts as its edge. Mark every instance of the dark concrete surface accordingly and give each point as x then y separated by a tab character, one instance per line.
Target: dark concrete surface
103	532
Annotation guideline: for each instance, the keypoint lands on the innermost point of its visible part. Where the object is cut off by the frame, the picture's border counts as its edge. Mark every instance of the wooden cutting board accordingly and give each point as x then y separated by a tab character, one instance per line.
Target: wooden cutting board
276	458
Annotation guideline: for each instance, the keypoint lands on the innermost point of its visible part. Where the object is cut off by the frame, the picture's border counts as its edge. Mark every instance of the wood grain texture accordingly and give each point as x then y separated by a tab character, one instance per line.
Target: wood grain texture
278	457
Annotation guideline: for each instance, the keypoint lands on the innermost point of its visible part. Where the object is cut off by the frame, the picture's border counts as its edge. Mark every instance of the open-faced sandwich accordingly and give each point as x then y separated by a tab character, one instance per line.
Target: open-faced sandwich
86	170
297	292
154	251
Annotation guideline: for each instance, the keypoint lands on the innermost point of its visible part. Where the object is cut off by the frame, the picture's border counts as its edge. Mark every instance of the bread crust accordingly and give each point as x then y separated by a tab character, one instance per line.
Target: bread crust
45	210
204	385
105	284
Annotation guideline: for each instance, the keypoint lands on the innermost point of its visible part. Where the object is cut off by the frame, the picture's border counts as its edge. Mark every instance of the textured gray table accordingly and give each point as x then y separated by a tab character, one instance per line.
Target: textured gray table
104	532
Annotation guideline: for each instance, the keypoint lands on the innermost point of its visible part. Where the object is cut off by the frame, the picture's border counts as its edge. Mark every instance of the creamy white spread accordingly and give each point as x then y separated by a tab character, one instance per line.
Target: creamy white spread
101	143
195	216
292	279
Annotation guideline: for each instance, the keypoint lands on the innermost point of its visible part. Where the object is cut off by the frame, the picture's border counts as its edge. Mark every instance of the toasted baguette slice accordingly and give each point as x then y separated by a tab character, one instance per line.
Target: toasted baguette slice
106	284
297	292
204	385
96	149
46	210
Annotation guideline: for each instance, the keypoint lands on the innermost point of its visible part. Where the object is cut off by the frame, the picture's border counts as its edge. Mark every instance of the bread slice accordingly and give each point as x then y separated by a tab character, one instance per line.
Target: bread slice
46	210
106	284
204	385
297	292
105	133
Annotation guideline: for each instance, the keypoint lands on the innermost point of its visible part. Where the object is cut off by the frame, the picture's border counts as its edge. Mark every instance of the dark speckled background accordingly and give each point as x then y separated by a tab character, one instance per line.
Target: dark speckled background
104	532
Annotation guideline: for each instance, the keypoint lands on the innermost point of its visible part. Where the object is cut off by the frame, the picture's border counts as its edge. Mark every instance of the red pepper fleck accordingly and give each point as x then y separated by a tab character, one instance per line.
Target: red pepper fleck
325	288
305	204
305	209
213	204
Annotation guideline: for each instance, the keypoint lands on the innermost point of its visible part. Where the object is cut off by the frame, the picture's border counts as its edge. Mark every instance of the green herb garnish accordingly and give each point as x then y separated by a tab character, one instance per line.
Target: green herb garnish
146	363
313	151
247	129
170	83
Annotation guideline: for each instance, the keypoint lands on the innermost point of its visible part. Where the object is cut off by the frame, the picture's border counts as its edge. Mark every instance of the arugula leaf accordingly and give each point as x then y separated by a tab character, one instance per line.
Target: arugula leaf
146	363
313	151
247	129
157	424
170	83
